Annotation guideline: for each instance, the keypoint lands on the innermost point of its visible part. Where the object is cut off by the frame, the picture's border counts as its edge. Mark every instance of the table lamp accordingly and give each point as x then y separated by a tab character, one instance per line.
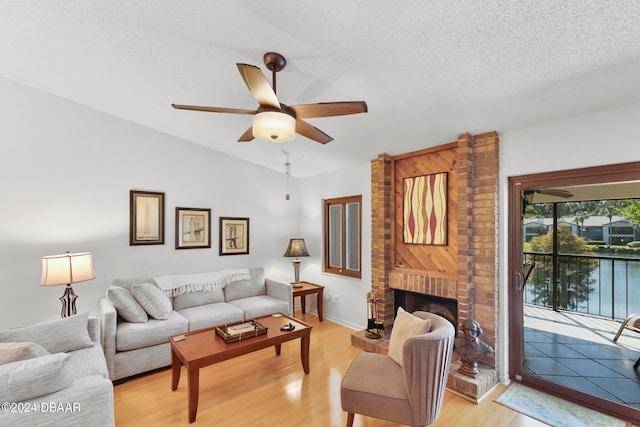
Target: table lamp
296	248
66	269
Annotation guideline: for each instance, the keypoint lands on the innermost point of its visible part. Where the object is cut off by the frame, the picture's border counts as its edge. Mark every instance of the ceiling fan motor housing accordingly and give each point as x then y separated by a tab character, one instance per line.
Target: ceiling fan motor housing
274	61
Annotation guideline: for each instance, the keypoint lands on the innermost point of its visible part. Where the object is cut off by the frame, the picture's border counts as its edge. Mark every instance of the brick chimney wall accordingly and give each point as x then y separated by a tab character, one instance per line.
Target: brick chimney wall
474	283
381	202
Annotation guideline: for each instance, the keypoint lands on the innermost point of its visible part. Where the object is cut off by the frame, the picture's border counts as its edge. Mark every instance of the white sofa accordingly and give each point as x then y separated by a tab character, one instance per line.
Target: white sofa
134	347
56	375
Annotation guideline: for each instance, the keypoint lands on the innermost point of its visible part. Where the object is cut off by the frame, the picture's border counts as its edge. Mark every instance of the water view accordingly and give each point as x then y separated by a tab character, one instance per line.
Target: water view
612	289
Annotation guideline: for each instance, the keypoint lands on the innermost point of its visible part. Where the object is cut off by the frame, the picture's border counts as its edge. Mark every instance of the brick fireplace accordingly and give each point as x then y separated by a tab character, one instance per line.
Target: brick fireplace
463	272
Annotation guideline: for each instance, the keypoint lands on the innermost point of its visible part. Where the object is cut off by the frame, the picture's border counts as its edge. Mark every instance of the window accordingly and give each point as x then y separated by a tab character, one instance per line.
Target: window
342	236
621	230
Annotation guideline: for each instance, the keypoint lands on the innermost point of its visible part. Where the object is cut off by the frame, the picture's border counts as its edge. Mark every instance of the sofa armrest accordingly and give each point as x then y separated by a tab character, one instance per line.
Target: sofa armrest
93	326
281	290
109	322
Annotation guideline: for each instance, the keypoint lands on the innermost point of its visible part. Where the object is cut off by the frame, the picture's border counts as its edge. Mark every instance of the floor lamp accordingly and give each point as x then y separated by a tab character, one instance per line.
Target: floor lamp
66	269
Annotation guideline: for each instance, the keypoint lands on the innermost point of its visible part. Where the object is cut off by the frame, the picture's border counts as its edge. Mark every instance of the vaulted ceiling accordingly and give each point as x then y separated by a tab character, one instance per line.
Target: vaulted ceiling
428	70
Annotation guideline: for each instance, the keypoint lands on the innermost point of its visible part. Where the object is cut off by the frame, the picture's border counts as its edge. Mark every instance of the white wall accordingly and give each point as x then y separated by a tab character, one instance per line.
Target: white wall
65	176
597	139
351	310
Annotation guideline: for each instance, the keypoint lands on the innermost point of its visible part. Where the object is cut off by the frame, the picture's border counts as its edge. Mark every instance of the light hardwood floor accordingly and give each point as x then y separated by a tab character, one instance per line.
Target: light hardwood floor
261	389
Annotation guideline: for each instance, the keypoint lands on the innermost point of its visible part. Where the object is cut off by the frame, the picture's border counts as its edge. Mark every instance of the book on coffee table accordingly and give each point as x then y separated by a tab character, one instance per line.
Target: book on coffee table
241	328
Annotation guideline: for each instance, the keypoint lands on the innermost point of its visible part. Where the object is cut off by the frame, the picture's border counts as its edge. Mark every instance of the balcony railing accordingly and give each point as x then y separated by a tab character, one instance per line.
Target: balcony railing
603	286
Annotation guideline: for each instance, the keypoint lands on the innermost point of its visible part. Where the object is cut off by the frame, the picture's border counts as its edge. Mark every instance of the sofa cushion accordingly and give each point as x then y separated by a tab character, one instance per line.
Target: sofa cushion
405	326
374	384
130	336
205	316
247	288
26	379
126	305
153	300
16	351
361	377
193	299
62	335
261	305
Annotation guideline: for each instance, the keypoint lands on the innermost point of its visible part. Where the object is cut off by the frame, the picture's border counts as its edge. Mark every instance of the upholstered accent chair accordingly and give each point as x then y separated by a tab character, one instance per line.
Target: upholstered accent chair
377	386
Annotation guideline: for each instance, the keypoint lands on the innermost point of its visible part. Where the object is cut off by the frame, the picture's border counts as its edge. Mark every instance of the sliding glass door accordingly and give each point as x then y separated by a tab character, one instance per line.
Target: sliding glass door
566	293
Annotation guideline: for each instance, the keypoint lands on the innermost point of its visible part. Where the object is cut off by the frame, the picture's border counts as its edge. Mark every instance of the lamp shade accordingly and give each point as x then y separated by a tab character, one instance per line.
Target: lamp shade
274	126
66	269
296	248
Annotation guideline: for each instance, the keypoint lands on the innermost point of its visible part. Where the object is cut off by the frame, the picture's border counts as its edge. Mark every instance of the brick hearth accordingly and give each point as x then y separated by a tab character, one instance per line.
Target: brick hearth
466	269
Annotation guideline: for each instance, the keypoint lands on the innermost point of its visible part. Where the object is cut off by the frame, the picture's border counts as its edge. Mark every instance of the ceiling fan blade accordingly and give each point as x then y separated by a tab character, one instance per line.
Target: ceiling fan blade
312	132
247	136
556	192
258	86
213	109
327	109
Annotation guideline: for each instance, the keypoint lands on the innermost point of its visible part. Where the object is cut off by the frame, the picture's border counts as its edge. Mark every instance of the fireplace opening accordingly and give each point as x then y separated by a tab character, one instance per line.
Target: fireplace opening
412	301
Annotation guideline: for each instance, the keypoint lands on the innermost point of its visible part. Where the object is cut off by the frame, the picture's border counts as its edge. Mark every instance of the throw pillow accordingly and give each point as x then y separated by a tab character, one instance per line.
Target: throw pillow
16	351
405	326
28	379
153	300
126	305
66	334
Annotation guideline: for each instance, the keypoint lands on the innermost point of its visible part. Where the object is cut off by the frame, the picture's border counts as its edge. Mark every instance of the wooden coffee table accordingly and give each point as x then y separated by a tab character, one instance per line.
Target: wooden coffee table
203	348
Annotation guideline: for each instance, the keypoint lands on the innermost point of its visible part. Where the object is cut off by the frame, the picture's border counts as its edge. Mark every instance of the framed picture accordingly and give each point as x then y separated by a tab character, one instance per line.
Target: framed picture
193	228
425	209
146	218
234	236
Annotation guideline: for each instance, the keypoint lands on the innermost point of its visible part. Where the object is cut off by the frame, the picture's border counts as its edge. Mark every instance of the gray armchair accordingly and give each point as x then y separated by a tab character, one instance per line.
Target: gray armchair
376	386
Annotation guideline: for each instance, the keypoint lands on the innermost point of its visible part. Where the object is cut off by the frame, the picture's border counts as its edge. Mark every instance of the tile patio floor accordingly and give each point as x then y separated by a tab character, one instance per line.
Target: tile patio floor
578	351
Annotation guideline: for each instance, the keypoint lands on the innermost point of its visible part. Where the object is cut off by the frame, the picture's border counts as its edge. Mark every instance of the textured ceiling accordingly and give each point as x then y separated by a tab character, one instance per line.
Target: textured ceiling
428	70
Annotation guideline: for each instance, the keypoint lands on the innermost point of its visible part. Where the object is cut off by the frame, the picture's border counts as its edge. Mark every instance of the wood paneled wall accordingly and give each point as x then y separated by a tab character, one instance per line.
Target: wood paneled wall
437	260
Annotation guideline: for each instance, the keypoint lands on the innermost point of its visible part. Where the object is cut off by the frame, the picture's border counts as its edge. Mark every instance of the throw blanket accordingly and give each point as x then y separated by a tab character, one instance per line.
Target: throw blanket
179	284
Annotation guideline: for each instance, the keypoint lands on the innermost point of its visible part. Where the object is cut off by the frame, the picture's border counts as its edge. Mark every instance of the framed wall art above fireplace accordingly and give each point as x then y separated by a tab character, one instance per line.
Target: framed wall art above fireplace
425	209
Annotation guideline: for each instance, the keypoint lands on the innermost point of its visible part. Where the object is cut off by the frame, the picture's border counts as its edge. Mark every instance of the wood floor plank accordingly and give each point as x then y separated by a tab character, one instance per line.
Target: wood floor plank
264	390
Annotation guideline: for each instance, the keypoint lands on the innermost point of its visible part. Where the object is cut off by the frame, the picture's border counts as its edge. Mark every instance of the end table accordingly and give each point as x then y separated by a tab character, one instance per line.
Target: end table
308	288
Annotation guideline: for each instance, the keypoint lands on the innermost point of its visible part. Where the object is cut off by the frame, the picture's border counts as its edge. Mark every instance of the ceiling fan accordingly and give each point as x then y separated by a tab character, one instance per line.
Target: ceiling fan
274	121
527	195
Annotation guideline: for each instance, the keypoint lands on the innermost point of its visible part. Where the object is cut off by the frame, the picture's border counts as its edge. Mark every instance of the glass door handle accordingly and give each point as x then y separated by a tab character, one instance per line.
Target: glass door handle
519	281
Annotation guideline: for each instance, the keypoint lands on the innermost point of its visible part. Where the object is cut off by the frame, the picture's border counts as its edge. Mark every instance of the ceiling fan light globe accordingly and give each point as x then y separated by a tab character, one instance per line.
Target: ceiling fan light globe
274	126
